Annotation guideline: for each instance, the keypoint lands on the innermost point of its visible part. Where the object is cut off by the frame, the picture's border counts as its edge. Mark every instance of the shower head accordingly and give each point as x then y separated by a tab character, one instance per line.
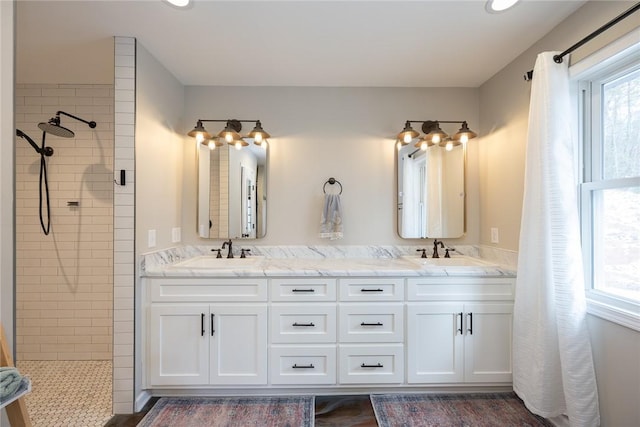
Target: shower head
53	125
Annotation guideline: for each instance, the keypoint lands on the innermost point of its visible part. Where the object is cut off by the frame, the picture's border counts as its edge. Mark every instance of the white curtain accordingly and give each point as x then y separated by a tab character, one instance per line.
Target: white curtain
553	369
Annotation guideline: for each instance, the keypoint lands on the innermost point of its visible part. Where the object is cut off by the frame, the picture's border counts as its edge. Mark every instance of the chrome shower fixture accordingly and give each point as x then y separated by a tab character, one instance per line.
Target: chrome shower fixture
53	125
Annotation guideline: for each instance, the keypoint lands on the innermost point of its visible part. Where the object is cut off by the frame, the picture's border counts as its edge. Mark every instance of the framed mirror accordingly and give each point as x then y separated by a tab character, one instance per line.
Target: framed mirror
431	192
232	192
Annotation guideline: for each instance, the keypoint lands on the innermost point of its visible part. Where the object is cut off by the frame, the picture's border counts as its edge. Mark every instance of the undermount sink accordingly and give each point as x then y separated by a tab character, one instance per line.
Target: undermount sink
455	261
211	262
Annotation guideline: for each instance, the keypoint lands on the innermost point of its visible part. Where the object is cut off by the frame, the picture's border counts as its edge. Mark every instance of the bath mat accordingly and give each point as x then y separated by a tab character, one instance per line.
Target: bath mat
448	410
231	411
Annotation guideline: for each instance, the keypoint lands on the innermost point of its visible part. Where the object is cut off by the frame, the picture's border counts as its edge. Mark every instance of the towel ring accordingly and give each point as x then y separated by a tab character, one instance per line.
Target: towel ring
331	181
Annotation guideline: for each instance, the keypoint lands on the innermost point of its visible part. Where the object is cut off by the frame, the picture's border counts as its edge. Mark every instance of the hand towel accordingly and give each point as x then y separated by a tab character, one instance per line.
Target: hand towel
10	380
331	221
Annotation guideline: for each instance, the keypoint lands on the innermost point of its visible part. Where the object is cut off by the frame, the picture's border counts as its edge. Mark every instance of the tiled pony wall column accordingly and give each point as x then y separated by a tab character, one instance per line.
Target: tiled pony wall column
64	281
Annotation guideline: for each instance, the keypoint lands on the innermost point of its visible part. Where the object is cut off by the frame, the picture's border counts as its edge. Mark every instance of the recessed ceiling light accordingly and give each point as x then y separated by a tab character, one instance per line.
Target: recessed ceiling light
178	3
495	6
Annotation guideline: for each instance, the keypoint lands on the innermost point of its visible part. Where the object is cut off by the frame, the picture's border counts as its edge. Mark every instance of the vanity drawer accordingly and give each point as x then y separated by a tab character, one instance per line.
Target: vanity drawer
460	288
374	289
372	322
304	289
303	365
209	290
303	323
381	364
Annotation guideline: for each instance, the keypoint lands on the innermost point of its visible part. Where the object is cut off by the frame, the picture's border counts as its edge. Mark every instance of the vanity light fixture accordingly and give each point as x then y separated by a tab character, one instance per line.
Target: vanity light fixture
434	134
230	134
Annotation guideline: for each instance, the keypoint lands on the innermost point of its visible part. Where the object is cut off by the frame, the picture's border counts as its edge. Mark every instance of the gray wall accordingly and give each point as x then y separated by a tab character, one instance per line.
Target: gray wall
504	108
317	133
7	245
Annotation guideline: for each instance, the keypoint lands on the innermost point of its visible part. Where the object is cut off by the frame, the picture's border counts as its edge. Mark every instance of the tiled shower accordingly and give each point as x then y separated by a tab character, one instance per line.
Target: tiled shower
64	280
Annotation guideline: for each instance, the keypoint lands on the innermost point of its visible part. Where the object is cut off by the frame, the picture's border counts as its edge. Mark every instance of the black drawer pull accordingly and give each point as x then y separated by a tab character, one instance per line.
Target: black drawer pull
304	324
201	324
303	366
378	365
371	324
371	290
212	330
302	290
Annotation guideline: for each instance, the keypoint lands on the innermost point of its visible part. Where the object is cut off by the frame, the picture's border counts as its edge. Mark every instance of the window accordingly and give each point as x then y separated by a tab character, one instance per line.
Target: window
610	189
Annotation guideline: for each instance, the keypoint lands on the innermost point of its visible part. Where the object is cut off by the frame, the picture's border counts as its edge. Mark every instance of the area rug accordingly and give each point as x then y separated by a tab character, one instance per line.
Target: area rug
231	412
448	410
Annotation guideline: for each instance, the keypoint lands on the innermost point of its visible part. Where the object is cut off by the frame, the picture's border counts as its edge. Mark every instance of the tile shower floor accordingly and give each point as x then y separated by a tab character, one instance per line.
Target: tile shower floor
68	393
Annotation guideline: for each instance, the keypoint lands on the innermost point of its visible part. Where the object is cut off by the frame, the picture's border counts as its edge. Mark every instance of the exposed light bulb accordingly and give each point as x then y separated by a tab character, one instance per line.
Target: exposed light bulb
449	146
464	138
238	145
424	146
407	138
258	138
212	144
228	137
435	139
199	137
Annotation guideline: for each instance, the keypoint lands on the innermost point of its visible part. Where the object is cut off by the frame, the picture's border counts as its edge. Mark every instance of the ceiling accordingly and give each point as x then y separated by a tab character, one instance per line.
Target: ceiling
284	43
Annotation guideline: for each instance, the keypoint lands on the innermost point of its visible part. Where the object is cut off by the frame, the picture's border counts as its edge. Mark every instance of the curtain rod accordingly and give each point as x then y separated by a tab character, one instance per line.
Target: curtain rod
558	58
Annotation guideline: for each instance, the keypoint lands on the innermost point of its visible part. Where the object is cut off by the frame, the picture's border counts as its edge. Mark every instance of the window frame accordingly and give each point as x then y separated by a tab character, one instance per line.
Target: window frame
587	78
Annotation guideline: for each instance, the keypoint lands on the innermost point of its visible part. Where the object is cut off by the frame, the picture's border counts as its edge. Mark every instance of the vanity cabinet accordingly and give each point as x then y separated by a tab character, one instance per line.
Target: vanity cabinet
463	337
329	332
303	327
203	339
371	331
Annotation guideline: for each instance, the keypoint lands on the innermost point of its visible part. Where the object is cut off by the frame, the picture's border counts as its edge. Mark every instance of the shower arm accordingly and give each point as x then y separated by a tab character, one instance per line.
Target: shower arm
91	124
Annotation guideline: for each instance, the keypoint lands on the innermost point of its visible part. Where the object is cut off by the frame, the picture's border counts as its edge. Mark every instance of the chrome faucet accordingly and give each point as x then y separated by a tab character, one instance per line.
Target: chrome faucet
228	243
436	242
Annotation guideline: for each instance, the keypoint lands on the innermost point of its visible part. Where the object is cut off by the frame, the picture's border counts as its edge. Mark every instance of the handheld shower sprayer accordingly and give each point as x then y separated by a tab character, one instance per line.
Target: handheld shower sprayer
53	125
46	151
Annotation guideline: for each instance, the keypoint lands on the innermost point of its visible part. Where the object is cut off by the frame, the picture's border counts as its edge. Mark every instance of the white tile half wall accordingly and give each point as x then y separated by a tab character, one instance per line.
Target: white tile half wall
123	233
64	279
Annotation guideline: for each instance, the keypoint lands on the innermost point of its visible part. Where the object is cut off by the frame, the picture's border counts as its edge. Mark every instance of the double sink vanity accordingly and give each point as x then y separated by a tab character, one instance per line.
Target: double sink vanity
323	320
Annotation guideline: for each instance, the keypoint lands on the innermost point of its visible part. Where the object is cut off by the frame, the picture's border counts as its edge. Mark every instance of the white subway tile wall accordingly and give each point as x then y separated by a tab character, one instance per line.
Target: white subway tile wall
123	234
64	281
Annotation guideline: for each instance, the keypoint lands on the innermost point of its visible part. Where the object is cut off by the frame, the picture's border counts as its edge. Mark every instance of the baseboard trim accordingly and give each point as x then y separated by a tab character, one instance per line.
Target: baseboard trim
142	400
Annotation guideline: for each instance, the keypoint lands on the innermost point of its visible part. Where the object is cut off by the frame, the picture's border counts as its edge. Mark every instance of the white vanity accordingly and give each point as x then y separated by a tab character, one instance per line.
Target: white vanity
325	326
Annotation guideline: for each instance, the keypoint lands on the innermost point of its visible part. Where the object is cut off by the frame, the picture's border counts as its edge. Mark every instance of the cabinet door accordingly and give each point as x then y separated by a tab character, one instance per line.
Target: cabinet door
435	343
178	351
488	333
238	344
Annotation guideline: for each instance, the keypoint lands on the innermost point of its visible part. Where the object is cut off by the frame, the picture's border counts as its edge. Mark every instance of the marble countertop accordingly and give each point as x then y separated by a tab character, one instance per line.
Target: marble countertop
359	263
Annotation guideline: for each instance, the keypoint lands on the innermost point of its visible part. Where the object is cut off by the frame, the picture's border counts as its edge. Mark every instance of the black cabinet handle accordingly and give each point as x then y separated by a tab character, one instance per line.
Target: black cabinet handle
302	290
460	328
378	365
371	290
371	324
470	329
310	366
212	330
201	324
303	324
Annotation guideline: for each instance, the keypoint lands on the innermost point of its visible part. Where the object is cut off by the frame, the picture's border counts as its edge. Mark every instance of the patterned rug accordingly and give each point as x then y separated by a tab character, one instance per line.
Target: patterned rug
231	412
448	410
